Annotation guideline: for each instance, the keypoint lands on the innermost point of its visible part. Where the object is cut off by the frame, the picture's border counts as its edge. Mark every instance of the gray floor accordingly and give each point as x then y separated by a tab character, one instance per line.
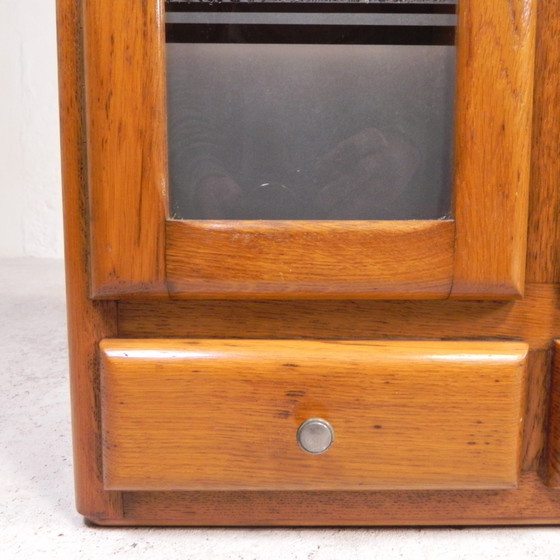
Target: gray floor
37	516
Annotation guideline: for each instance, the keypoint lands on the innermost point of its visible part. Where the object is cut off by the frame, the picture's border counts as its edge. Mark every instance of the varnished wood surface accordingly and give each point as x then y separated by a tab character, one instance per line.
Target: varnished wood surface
127	145
537	399
310	259
535	319
127	164
531	503
223	414
553	464
87	322
543	255
496	44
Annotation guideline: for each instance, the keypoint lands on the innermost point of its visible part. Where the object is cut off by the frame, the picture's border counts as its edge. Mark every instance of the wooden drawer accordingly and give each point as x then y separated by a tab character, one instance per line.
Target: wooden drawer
224	414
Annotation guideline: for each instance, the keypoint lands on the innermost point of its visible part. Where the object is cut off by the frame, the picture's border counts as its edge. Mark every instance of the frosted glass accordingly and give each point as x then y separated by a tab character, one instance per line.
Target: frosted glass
310	131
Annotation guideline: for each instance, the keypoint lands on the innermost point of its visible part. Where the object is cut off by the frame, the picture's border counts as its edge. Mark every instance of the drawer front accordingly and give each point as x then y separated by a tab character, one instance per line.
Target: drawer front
225	414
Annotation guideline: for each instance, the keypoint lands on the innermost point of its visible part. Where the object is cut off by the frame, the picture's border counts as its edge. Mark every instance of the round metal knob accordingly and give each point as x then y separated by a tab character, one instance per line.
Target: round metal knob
315	435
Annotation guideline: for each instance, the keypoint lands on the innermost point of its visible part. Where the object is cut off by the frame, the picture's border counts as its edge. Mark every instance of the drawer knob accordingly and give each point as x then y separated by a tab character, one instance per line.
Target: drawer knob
315	435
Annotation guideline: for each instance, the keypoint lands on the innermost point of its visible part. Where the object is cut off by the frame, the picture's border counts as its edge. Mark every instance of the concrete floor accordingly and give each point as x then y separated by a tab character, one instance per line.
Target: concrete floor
37	515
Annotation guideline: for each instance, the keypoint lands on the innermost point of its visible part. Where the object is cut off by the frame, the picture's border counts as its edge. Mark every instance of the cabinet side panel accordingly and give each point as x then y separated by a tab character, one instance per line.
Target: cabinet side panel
543	254
127	145
493	141
87	321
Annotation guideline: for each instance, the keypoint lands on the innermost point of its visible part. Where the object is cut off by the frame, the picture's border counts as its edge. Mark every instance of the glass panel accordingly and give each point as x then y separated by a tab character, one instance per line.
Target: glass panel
310	111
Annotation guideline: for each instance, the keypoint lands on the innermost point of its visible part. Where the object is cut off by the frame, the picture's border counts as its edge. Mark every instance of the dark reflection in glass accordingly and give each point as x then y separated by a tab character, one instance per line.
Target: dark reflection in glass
293	120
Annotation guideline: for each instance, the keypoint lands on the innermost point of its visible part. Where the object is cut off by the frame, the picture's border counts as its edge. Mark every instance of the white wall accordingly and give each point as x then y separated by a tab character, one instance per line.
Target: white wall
30	192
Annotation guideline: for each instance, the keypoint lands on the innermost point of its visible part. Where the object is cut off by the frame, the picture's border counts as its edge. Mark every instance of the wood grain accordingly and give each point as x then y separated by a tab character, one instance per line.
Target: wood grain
553	464
543	252
535	319
496	44
310	259
530	503
88	322
223	414
492	150
127	145
536	411
128	160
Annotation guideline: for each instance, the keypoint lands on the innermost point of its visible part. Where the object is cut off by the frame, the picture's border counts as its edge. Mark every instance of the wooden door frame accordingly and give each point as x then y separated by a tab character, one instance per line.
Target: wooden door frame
137	252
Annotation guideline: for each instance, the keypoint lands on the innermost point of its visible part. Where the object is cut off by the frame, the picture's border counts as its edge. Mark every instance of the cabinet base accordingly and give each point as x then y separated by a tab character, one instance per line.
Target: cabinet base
530	504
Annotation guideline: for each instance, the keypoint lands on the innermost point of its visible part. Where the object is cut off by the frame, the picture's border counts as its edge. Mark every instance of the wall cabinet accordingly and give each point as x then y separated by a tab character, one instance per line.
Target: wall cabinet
333	368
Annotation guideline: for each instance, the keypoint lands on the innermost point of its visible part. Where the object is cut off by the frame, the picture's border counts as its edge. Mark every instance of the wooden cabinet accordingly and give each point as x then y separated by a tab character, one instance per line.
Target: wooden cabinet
198	348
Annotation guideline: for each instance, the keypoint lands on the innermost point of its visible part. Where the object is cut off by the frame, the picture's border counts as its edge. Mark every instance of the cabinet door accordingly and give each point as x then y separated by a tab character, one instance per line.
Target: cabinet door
139	250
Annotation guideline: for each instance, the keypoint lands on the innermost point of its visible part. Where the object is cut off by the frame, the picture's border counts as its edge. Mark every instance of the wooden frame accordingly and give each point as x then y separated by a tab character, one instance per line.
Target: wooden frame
88	322
137	252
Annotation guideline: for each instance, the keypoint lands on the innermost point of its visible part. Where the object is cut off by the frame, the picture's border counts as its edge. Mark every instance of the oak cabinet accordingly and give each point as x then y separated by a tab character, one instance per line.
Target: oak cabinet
201	347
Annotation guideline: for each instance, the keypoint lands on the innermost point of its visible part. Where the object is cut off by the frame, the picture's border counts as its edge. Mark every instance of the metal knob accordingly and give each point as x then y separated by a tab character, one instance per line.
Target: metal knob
315	435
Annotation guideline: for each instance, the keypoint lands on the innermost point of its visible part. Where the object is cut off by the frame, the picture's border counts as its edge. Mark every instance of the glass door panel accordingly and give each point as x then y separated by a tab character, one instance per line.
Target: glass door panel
310	111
